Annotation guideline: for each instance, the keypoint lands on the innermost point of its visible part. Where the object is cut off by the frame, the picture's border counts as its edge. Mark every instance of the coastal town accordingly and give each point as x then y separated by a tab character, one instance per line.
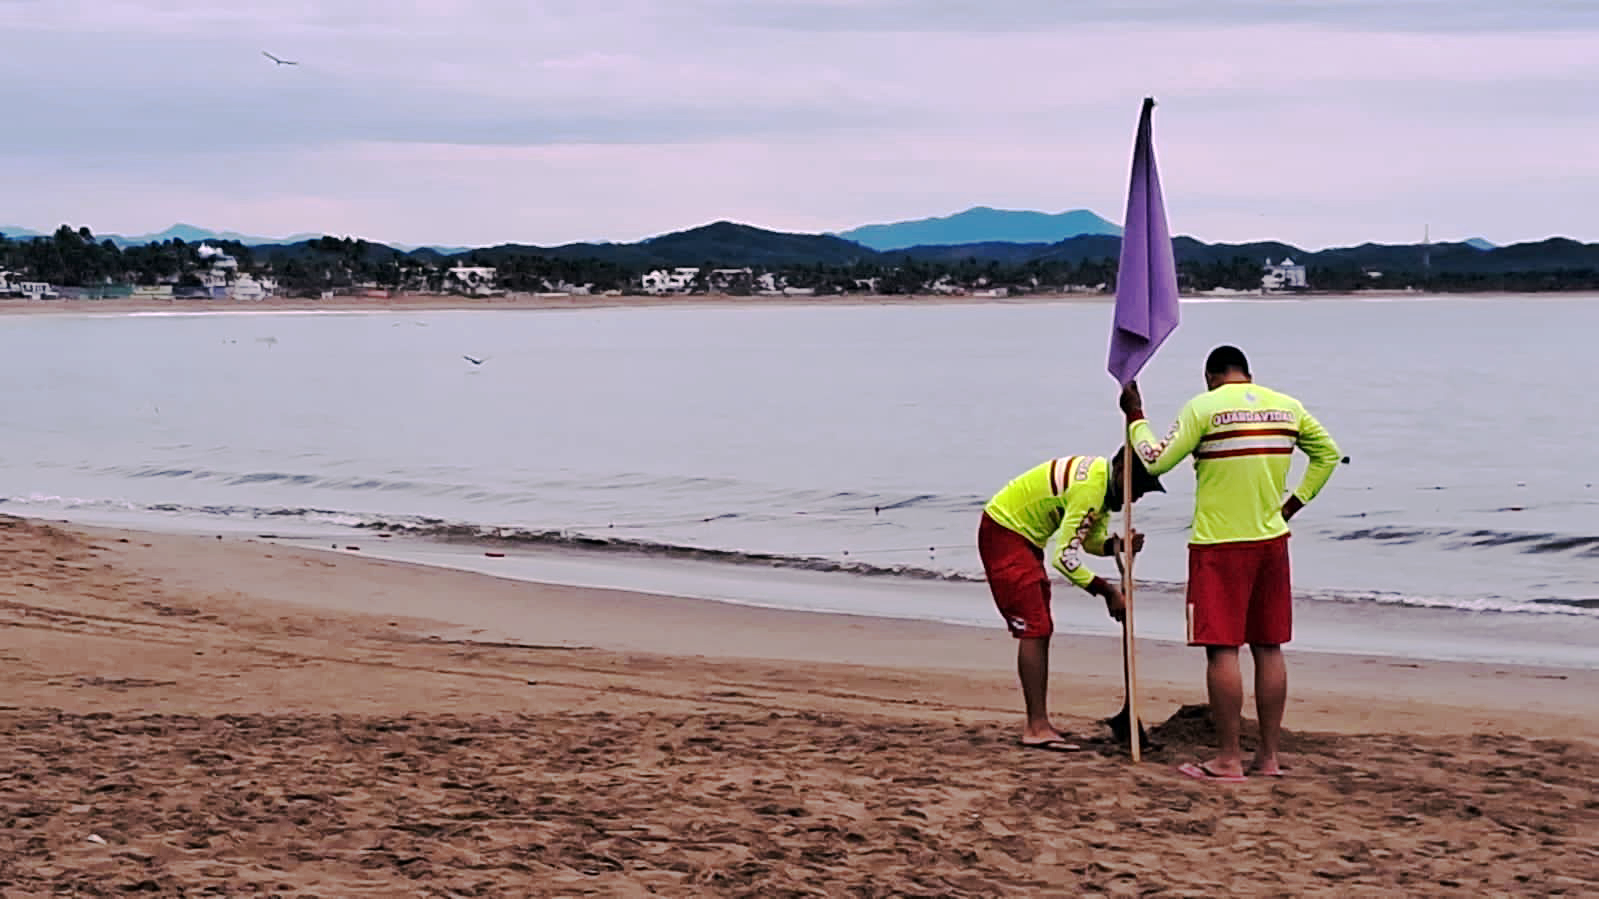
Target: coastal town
220	276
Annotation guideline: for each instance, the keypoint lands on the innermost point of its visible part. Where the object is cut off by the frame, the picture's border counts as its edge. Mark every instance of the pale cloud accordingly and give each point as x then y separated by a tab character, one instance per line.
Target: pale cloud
1426	16
473	121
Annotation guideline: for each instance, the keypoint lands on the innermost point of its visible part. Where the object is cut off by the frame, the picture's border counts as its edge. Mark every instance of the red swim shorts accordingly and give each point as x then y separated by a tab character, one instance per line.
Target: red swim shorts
1240	593
1017	578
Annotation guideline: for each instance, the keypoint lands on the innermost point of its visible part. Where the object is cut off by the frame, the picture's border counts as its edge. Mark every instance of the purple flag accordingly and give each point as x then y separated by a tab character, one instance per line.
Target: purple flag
1146	282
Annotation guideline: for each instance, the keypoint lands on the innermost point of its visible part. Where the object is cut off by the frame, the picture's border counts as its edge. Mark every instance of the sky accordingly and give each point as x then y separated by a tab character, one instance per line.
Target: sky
472	122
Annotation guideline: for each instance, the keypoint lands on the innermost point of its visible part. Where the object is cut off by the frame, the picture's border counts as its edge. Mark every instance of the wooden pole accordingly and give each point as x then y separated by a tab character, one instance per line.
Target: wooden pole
1129	657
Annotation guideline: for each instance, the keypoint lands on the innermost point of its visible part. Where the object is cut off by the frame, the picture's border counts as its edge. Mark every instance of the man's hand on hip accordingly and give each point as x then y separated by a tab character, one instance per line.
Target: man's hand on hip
1291	507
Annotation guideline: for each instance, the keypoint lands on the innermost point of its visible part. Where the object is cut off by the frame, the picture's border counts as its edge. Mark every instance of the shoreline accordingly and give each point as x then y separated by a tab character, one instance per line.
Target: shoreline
455	603
1326	622
442	302
192	715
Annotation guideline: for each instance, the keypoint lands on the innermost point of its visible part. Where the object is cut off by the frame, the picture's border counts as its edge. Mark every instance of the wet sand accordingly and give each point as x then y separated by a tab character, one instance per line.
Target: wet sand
193	716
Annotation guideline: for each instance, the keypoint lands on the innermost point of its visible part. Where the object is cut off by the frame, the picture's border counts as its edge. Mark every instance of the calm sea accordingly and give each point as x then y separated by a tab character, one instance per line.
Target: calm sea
858	438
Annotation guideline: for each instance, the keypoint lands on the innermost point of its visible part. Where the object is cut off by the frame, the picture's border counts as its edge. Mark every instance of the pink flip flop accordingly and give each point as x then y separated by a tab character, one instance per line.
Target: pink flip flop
1202	772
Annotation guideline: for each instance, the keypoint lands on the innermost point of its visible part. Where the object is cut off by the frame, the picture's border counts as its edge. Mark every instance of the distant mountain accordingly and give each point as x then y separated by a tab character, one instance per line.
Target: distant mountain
982	224
196	234
442	251
731	244
719	243
180	231
1552	255
753	246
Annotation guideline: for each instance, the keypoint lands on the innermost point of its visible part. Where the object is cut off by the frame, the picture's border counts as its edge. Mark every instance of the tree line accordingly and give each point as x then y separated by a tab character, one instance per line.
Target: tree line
75	258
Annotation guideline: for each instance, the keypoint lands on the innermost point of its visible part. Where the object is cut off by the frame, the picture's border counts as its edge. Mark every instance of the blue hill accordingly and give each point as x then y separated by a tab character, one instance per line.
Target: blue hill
982	224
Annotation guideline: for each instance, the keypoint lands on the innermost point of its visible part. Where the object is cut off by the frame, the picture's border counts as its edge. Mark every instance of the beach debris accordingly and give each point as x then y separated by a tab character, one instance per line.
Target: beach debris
96	839
495	555
354	549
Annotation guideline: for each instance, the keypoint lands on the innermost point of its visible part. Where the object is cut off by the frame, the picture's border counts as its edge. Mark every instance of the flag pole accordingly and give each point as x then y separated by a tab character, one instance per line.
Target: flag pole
1129	655
1146	313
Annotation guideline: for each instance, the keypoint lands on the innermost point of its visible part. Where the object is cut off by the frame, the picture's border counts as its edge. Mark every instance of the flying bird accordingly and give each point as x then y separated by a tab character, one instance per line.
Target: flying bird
476	361
281	62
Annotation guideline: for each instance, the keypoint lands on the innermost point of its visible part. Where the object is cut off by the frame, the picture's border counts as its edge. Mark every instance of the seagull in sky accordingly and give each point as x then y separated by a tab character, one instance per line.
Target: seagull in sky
281	62
476	361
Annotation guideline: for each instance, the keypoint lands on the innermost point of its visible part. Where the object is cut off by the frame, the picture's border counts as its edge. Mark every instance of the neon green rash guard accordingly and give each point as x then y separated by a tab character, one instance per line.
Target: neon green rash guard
1062	498
1242	438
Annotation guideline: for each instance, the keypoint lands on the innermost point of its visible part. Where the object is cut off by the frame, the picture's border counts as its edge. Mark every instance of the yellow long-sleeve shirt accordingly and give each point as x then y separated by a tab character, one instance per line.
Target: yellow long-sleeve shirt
1242	438
1064	499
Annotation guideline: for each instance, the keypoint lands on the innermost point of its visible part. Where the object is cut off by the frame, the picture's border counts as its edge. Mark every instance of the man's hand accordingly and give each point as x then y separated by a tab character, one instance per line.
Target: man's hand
1138	541
1291	507
1132	402
1116	548
1114	603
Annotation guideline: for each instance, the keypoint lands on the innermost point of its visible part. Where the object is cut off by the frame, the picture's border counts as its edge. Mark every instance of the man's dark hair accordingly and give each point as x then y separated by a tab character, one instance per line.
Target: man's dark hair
1224	359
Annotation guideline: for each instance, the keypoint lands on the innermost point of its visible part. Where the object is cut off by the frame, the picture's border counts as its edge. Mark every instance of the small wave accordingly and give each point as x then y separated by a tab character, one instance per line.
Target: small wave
1556	544
1538	606
1592	603
355	483
744	497
273	477
1524	541
1390	534
578	539
563	539
81	504
70	502
426	528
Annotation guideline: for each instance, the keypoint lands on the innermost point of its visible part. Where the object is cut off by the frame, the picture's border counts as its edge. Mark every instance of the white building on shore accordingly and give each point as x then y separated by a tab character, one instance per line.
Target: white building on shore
472	280
250	288
1285	275
678	280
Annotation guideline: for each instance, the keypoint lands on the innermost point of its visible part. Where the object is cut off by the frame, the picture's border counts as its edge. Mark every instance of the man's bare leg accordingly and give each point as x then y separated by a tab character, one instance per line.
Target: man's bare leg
1226	687
1271	698
1032	664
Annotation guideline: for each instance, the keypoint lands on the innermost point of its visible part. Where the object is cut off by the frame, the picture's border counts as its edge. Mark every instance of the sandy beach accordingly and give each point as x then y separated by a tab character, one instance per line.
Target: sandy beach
190	715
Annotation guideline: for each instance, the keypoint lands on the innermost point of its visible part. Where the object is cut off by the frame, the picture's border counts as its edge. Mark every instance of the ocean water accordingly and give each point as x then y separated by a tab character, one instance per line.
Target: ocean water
859	439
